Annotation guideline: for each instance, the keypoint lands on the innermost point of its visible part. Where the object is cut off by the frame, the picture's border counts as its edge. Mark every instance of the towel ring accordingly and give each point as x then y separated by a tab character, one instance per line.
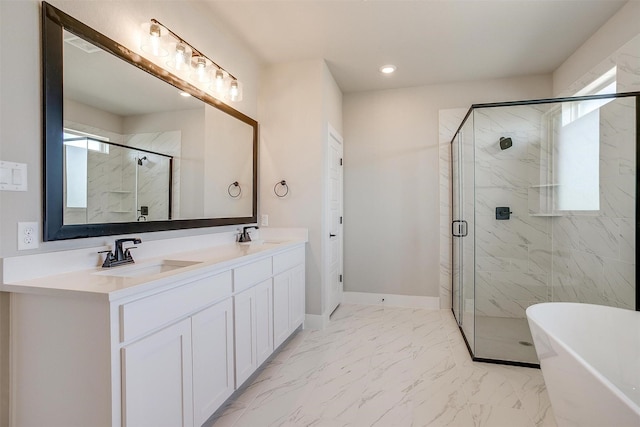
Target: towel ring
282	183
234	184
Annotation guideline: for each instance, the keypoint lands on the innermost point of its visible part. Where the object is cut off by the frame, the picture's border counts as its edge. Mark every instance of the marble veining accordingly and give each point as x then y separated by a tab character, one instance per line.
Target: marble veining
385	366
115	183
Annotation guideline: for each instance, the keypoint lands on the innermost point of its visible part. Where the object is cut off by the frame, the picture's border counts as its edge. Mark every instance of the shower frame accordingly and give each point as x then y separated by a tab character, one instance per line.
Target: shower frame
459	220
102	141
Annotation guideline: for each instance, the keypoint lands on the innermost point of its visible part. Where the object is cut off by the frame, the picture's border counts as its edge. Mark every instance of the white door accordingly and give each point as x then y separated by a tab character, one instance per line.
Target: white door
281	307
244	313
212	340
157	389
333	268
264	321
296	297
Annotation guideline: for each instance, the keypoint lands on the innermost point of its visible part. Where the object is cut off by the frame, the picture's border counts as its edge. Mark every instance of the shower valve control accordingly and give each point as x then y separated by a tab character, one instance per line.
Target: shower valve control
503	212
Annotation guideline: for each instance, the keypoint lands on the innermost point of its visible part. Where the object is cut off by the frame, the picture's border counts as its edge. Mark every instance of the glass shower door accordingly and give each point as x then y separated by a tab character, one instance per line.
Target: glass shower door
456	276
462	229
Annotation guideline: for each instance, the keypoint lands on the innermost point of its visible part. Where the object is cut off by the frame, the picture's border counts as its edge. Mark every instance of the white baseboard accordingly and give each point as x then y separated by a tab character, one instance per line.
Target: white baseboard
316	321
391	300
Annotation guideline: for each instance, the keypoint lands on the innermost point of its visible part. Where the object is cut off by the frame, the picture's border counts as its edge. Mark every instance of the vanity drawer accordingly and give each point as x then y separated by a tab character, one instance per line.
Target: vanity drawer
146	314
248	275
287	260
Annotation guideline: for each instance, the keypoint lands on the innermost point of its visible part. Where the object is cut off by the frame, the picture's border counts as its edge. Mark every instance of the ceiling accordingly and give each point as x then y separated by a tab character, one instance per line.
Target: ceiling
430	41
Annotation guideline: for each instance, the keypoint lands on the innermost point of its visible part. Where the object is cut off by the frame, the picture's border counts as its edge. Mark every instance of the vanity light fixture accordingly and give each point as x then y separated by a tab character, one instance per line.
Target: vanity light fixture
388	69
189	62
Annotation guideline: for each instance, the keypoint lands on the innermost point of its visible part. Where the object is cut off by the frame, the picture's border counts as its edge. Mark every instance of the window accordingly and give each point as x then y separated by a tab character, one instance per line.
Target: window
76	147
577	146
605	84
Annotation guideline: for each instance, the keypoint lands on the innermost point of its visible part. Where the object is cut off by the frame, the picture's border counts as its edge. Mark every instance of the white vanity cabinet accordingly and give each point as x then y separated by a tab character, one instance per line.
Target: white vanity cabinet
167	354
179	375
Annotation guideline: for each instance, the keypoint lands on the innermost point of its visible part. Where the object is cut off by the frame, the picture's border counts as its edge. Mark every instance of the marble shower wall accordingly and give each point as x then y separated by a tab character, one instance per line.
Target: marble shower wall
112	183
594	251
513	257
542	253
153	174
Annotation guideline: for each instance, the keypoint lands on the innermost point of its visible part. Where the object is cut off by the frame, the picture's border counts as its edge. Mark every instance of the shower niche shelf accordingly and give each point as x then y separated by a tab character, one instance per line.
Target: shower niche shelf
542	199
543	185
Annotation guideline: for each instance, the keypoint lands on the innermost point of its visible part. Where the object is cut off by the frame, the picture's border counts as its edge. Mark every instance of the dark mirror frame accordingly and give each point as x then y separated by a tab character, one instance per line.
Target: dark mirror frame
53	22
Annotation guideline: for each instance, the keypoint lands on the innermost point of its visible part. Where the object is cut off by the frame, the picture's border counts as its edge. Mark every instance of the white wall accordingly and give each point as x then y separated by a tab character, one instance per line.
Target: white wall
296	102
91	116
20	100
623	27
392	177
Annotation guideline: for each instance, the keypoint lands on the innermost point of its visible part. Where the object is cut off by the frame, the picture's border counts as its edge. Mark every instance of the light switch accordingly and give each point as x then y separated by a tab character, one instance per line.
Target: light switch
16	176
5	176
13	176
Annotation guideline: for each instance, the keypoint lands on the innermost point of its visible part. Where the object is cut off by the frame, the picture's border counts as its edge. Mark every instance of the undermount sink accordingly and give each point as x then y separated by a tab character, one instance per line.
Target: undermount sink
147	269
260	242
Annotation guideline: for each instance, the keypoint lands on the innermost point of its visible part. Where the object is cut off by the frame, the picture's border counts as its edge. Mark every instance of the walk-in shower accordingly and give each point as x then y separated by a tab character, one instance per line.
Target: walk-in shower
109	182
544	209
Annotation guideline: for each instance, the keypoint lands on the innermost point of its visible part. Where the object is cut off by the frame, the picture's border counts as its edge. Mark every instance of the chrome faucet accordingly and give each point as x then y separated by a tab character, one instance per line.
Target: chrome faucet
245	236
120	256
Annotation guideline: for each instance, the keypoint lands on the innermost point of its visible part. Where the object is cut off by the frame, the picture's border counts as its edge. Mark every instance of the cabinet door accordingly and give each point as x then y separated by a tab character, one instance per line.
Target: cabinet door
245	335
264	320
157	372
296	297
281	307
212	340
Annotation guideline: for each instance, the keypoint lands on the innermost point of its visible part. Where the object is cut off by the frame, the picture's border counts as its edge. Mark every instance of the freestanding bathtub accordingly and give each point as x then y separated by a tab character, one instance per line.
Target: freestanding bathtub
590	360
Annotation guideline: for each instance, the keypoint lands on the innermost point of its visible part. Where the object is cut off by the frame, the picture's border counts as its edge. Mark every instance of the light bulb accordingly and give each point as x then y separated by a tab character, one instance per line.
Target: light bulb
388	69
153	35
219	80
180	57
154	38
201	68
235	91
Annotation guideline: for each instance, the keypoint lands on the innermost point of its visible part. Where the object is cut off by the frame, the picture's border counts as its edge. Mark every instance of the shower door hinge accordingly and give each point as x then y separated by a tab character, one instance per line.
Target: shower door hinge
340	278
340	162
340	220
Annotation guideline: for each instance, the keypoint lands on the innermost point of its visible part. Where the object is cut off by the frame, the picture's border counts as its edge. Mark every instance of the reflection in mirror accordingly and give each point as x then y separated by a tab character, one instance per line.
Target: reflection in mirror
135	150
124	152
108	182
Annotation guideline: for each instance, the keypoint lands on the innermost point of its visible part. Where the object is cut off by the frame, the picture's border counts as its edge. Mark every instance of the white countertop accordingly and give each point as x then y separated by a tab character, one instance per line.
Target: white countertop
97	282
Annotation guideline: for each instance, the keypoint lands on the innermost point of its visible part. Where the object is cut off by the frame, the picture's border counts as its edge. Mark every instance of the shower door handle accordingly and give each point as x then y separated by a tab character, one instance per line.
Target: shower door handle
459	228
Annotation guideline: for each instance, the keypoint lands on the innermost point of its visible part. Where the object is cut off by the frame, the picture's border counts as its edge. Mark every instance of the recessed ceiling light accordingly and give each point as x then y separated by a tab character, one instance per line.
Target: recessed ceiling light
387	69
185	94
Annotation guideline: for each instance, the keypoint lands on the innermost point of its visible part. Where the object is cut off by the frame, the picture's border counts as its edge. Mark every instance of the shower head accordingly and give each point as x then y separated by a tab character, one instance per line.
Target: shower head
141	159
505	143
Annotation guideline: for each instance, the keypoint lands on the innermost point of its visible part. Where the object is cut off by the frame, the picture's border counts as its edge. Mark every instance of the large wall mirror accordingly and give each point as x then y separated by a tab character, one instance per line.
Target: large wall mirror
129	147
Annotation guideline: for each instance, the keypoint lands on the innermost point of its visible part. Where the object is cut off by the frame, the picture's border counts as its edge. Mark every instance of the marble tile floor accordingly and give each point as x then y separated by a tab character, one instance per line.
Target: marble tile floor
380	366
500	338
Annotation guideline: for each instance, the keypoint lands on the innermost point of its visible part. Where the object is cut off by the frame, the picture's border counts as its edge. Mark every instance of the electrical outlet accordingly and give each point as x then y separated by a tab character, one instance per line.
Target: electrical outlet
264	220
27	235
